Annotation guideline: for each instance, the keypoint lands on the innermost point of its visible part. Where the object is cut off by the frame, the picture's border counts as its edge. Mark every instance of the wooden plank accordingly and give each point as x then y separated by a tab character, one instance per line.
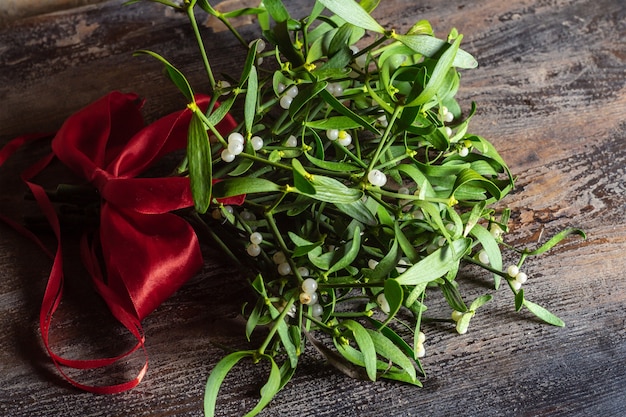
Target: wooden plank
551	95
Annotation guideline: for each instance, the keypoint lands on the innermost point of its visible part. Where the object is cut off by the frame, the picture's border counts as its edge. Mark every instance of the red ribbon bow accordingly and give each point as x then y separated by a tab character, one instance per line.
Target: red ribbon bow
148	252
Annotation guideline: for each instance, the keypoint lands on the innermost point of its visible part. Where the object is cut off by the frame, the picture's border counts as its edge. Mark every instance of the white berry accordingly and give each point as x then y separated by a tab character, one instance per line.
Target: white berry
317	310
227	156
285	101
372	263
291	141
235	148
345	139
253	249
303	271
377	178
332	134
257	142
456	315
516	285
235	137
256	238
292	91
309	285
512	270
420	351
483	257
383	303
521	277
284	268
279	258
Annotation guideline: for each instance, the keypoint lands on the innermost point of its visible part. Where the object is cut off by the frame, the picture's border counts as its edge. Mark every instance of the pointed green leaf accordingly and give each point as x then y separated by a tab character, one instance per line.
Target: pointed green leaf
387	349
436	264
430	46
239	186
216	378
352	12
543	314
173	73
250	104
200	164
365	344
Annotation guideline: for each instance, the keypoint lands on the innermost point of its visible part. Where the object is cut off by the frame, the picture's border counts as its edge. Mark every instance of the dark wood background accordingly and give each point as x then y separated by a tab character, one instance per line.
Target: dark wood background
551	94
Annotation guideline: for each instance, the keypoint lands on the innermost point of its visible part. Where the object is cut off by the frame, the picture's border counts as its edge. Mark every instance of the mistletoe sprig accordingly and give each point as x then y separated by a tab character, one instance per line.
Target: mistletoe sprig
366	193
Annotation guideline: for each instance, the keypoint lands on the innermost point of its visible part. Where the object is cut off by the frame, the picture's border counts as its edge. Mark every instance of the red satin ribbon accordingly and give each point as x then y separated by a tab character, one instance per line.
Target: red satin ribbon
147	251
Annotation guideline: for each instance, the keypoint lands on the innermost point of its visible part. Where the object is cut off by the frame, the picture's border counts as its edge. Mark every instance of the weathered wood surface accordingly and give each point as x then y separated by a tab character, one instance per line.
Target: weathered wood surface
551	90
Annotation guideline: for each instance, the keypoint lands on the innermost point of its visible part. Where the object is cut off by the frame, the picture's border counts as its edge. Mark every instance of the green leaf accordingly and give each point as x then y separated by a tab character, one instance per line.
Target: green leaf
200	164
480	301
358	211
239	186
366	346
491	248
351	250
436	264
468	176
250	104
438	75
352	12
556	239
341	109
543	314
405	244
173	73
386	264
300	178
452	295
394	295
430	46
332	165
332	191
387	349
336	122
519	299
307	93
277	10
270	389
216	378
220	112
394	337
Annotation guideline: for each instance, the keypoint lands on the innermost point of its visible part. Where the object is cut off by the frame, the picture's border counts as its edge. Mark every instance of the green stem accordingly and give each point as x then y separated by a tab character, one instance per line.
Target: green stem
280	319
487	267
384	138
205	58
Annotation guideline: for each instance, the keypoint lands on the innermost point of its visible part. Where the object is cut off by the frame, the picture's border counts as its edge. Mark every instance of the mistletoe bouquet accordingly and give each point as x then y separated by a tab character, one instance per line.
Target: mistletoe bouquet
366	195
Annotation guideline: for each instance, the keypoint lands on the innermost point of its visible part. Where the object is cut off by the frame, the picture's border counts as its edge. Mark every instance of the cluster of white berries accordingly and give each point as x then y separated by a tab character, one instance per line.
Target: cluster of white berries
310	297
341	136
289	94
254	248
446	115
335	89
377	177
517	277
236	144
235	147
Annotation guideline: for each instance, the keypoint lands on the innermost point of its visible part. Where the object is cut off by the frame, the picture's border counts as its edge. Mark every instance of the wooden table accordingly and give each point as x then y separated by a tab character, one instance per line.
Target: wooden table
551	94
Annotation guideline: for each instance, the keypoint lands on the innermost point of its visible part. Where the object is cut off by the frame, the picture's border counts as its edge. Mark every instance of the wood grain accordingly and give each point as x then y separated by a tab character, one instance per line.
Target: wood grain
551	95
